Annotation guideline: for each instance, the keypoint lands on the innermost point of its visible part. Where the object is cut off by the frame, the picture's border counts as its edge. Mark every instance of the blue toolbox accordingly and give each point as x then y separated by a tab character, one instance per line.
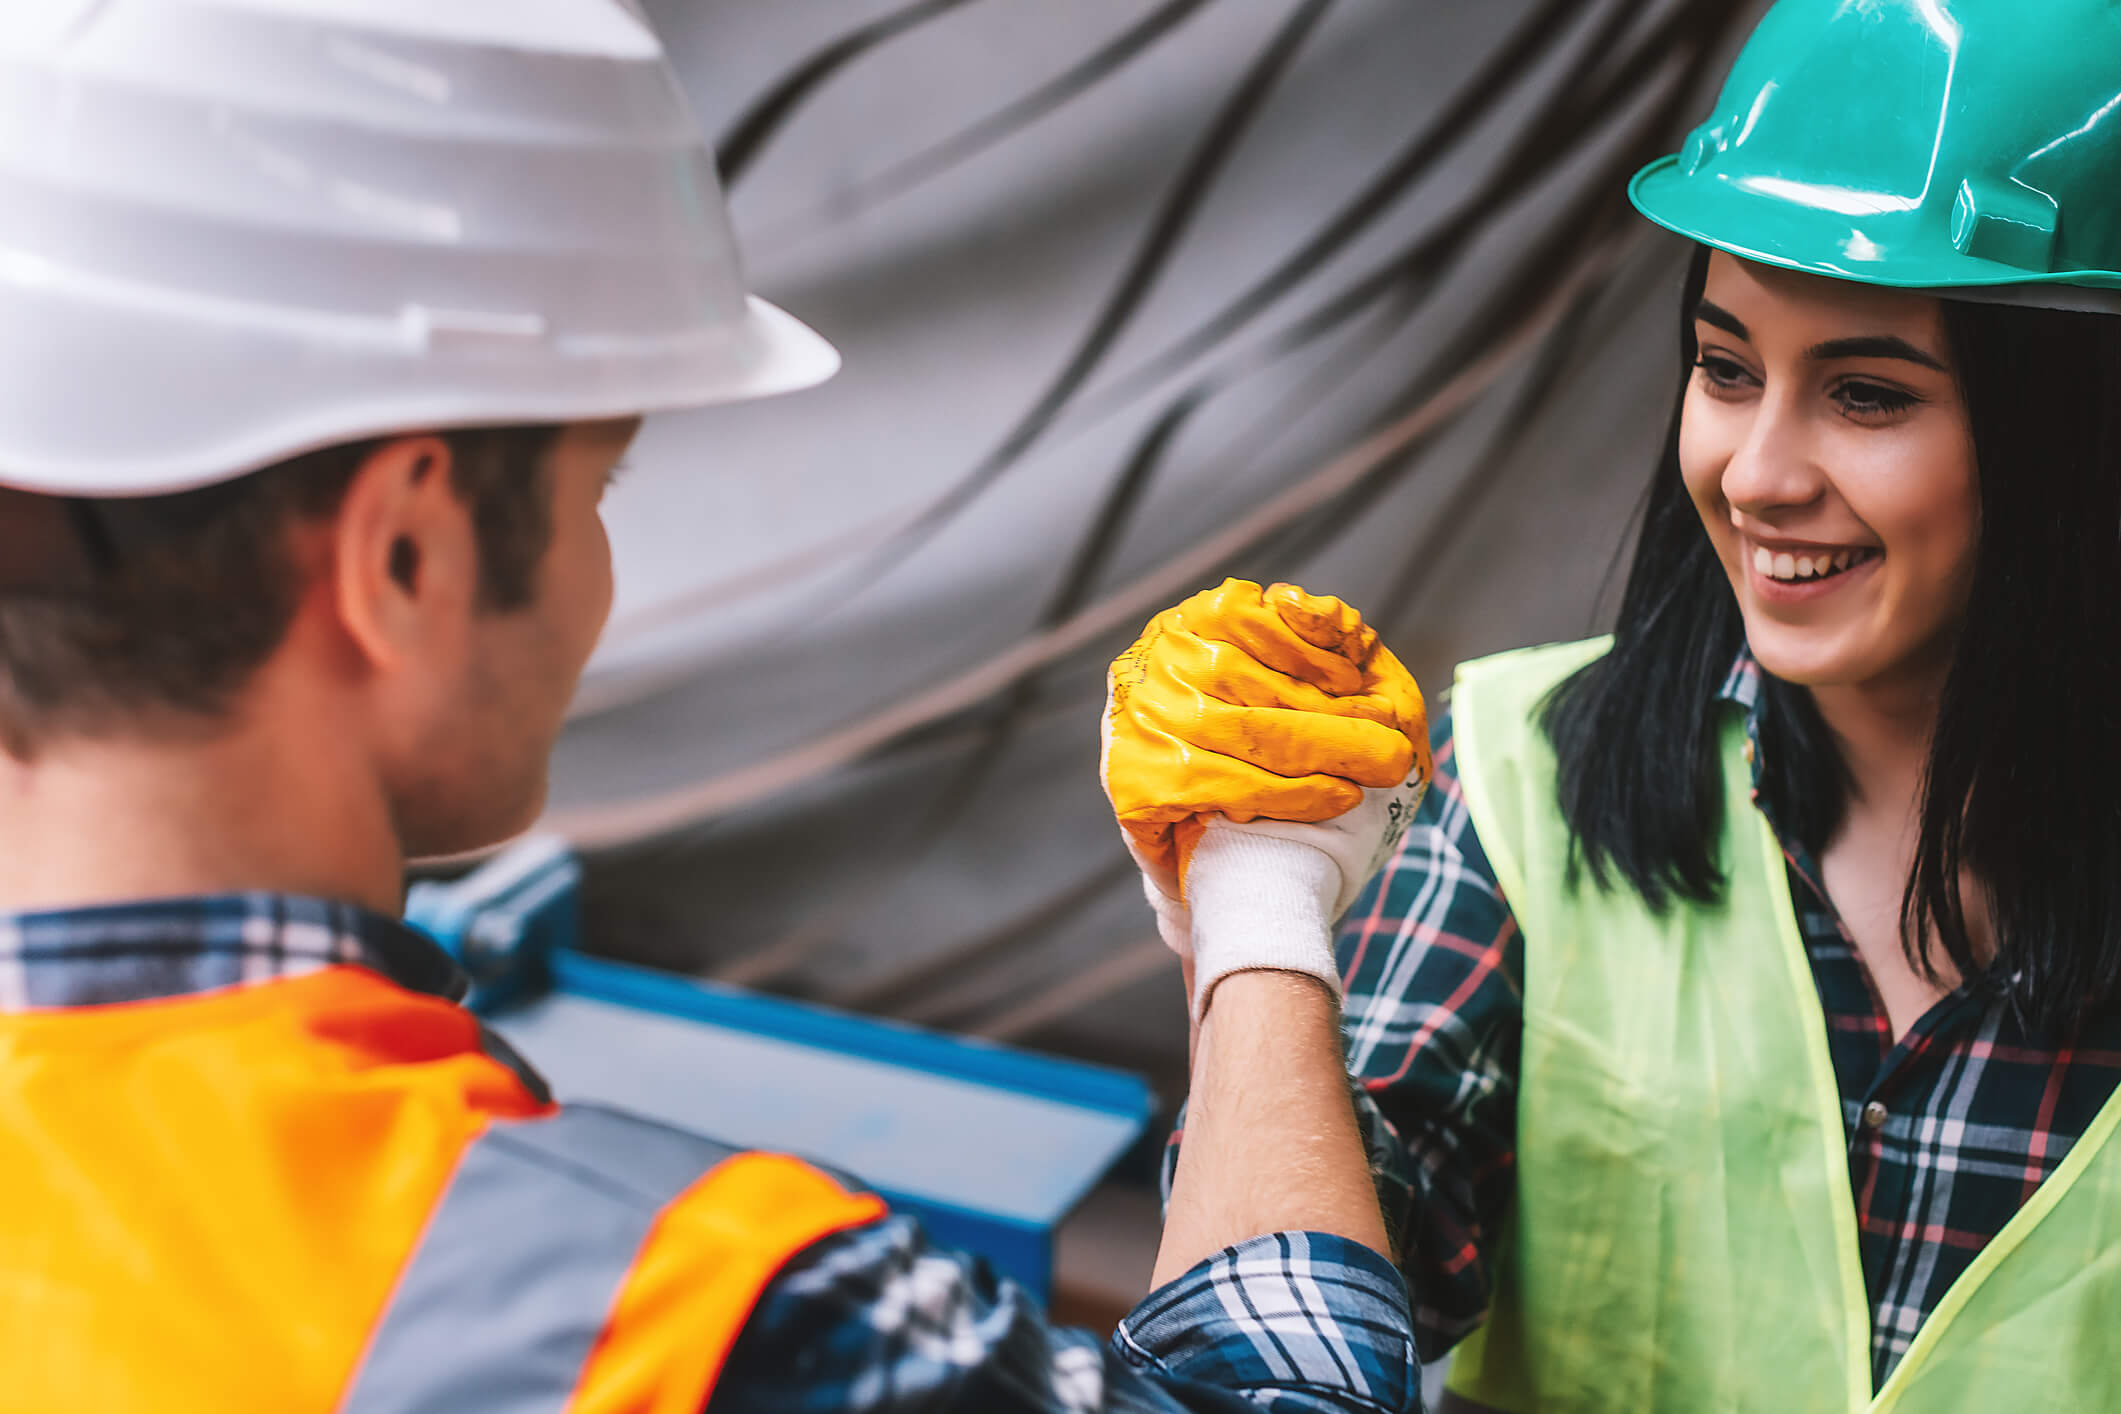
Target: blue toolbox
989	1147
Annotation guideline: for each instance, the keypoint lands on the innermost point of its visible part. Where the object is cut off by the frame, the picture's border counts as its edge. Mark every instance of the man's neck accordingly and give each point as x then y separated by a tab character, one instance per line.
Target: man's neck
93	822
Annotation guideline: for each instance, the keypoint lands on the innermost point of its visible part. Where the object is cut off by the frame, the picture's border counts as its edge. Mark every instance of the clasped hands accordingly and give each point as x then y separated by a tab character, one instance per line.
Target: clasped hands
1263	753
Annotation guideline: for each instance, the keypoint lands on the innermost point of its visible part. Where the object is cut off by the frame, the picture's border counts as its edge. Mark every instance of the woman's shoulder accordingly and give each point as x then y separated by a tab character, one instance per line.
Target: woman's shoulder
1539	662
1498	702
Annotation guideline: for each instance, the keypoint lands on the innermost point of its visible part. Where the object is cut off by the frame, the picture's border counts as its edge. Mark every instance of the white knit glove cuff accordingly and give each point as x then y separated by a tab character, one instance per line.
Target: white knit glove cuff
1174	921
1259	903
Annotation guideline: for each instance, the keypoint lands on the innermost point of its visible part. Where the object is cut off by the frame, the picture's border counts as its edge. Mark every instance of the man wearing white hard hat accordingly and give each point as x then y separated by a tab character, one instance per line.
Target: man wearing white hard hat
323	324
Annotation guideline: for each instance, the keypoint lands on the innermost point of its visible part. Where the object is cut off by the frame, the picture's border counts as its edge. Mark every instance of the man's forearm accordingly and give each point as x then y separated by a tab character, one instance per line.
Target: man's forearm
1271	1141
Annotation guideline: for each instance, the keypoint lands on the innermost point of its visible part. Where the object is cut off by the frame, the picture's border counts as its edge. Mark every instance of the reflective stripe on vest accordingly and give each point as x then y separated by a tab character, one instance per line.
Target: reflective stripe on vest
321	1193
1684	1235
582	1263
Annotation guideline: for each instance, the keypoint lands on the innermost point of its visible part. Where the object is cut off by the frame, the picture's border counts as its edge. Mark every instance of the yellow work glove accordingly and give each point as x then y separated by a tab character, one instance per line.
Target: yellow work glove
1263	754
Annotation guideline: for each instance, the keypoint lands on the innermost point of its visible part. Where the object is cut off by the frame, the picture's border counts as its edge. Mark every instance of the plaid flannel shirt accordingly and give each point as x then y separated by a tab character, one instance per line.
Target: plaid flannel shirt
1950	1127
876	1320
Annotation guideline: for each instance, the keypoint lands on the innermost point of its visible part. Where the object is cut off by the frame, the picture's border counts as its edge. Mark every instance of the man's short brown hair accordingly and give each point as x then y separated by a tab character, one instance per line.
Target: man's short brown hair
184	597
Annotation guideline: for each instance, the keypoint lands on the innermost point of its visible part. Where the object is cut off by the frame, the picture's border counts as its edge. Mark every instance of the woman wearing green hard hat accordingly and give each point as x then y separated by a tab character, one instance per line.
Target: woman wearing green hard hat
1741	1016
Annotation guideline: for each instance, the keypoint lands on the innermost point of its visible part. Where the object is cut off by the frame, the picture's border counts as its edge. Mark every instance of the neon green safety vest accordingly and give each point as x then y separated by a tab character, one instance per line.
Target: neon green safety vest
1684	1237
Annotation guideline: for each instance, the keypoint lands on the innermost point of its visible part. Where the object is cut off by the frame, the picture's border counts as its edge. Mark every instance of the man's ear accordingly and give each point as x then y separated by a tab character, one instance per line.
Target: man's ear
404	553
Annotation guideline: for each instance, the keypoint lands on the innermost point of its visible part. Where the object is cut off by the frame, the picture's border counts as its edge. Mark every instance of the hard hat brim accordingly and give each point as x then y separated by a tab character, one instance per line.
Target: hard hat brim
1778	228
793	357
764	353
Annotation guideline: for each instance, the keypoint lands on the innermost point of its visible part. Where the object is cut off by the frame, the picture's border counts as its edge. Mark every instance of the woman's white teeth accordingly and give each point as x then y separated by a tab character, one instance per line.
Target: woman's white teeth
1786	566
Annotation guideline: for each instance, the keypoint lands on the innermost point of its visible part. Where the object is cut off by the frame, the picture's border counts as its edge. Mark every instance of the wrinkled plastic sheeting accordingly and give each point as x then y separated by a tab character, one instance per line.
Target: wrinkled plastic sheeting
954	304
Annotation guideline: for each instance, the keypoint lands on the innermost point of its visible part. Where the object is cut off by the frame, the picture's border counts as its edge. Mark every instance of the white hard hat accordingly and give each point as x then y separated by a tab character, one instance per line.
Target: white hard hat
236	230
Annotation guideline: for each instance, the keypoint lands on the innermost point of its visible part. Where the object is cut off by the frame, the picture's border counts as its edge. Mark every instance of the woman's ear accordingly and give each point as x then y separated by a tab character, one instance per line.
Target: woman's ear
404	553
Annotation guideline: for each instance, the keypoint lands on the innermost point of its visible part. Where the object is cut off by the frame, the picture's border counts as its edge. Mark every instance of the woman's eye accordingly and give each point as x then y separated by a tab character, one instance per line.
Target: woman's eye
1873	399
1722	372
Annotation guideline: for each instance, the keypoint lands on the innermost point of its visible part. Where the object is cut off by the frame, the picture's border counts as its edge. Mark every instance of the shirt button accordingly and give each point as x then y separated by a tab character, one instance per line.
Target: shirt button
1874	1115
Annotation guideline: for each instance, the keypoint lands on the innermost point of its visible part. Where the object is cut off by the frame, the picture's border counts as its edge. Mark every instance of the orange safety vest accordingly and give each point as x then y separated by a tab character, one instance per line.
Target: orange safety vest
322	1194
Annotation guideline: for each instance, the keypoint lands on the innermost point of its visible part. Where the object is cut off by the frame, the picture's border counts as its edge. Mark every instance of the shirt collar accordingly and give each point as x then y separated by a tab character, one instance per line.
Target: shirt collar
1742	684
1741	688
136	952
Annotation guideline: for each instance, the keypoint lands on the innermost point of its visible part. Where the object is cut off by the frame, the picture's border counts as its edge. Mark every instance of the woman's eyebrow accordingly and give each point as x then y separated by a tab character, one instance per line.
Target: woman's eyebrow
1722	318
1859	346
1873	346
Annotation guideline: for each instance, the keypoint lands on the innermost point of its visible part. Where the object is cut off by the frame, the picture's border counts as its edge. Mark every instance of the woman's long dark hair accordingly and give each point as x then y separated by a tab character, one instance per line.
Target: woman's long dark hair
2023	786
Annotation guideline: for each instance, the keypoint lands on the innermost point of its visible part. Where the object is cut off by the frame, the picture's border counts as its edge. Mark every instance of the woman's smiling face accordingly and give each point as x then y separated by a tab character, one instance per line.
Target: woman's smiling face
1826	444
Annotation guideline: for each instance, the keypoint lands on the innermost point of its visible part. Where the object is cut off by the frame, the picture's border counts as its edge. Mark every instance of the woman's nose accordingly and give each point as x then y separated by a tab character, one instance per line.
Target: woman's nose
1773	466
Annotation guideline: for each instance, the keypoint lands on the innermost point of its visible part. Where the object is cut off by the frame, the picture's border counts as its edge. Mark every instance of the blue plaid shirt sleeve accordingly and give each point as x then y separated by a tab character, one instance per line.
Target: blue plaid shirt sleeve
880	1321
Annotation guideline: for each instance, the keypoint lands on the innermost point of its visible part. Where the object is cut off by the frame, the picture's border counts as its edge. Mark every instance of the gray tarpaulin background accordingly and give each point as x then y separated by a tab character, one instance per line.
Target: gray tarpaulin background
1115	280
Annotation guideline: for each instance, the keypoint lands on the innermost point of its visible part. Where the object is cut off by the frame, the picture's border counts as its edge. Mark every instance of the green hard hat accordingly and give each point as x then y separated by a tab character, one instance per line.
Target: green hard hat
1939	144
